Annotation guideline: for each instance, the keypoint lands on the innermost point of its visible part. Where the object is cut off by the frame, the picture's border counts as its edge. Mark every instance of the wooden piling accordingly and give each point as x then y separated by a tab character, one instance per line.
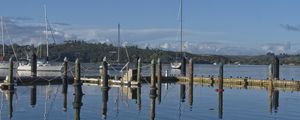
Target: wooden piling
104	75
65	76
276	69
191	82
191	71
183	66
10	75
78	91
10	87
153	77
271	77
33	65
159	80
139	72
221	76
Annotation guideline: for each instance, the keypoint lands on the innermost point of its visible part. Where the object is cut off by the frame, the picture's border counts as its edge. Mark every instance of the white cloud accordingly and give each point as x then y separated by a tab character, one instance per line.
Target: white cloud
23	32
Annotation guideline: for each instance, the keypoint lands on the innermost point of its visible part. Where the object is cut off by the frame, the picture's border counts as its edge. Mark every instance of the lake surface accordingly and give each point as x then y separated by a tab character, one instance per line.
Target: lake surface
175	101
123	104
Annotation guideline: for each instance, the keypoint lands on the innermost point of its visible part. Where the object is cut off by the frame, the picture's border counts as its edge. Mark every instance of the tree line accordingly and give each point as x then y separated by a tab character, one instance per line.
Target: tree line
95	52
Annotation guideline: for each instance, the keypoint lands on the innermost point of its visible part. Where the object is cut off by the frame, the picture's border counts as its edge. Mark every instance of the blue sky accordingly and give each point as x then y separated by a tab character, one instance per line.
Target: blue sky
210	26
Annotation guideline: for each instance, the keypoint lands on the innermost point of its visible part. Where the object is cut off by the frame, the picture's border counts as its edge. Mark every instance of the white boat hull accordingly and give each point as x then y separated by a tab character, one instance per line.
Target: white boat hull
5	65
176	65
40	68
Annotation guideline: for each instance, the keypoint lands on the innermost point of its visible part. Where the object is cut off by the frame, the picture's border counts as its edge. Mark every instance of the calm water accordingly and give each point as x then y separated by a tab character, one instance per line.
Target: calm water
175	102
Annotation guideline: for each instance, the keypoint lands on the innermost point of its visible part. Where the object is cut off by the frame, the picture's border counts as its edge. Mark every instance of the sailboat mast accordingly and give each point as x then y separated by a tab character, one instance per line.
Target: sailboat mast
118	60
2	37
46	30
181	49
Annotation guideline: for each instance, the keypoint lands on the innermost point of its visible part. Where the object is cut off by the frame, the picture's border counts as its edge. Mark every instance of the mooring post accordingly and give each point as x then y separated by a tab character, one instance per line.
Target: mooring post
276	69
10	75
271	79
65	76
10	87
139	72
78	91
183	66
159	80
221	76
152	90
191	81
33	65
153	81
104	75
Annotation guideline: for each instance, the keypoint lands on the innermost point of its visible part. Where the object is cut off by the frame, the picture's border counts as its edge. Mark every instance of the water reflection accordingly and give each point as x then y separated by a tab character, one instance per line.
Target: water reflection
182	93
191	96
172	106
220	106
10	100
33	95
273	100
139	98
77	99
152	107
104	103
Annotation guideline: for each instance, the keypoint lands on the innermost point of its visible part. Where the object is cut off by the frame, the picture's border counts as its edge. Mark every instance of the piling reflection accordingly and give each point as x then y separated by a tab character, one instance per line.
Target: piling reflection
65	104
77	100
220	106
33	95
139	100
191	96
159	92
104	103
152	106
10	102
273	100
182	93
276	99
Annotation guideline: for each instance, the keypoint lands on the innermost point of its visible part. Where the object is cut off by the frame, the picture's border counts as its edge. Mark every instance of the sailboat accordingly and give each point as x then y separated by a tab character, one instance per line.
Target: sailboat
177	64
117	66
42	63
4	64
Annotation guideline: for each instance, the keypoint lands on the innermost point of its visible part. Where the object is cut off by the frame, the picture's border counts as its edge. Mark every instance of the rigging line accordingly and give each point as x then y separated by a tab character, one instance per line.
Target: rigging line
51	30
52	101
2	36
11	42
45	105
